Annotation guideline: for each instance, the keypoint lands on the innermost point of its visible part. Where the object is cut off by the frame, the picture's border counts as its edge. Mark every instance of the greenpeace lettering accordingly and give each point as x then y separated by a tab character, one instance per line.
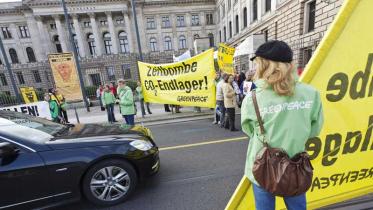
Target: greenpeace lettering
361	84
186	83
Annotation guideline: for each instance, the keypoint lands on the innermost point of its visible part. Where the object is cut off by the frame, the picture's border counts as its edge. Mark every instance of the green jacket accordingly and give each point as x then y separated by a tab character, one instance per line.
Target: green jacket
288	120
127	106
107	98
139	93
53	106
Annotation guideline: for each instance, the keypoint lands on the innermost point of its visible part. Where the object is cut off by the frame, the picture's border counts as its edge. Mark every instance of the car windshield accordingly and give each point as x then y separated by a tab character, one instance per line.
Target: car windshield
27	127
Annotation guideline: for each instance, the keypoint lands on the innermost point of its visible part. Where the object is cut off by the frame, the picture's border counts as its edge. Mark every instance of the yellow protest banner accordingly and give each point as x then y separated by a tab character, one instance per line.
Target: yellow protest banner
186	83
225	58
342	69
65	75
28	95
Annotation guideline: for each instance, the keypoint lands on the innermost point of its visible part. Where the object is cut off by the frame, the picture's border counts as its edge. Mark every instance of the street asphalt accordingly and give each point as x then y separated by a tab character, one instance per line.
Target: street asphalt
195	176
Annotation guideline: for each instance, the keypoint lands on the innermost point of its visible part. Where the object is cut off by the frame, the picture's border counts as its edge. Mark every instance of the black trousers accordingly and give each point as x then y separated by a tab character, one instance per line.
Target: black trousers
229	120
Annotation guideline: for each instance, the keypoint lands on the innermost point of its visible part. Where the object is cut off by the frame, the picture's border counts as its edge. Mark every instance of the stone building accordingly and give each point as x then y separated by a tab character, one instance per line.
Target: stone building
103	33
301	23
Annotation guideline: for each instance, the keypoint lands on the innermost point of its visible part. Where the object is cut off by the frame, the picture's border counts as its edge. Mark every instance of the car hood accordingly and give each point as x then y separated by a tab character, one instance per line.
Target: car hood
85	135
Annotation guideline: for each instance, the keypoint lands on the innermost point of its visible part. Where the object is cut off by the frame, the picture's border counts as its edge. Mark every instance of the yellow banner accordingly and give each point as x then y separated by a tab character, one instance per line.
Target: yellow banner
29	95
186	83
65	75
225	58
343	72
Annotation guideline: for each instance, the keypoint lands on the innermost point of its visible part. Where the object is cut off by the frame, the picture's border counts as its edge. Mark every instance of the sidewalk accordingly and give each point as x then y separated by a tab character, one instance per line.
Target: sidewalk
158	114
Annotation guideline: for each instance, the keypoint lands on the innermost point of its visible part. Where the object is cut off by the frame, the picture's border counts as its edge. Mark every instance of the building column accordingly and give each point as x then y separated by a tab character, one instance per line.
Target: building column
189	36
141	24
61	33
96	34
44	36
78	32
113	34
129	30
35	36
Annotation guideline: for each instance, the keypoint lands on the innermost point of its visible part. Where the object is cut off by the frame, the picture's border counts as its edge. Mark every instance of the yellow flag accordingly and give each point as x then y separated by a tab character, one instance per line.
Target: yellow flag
225	58
28	94
342	70
187	83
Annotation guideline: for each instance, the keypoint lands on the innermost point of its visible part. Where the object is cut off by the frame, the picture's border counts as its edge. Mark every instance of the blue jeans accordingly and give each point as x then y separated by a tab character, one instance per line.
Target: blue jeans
130	119
266	201
110	112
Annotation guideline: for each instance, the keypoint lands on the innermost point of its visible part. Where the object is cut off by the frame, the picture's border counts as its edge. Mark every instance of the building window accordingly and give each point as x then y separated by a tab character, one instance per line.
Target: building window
107	43
310	16
103	22
150	23
123	42
126	71
167	43
153	44
24	31
53	26
209	19
21	80
245	17
267	6
76	44
180	21
3	80
196	36
36	76
307	54
91	44
119	21
87	24
110	73
166	22
30	55
211	39
13	55
195	20
57	43
225	34
182	42
230	29
219	36
6	33
237	24
255	10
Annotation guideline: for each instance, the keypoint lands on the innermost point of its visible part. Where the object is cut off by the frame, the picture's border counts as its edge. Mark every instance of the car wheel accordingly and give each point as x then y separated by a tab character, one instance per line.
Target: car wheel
109	182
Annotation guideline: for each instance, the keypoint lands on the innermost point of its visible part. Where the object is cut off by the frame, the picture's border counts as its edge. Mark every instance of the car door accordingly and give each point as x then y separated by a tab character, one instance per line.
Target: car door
23	177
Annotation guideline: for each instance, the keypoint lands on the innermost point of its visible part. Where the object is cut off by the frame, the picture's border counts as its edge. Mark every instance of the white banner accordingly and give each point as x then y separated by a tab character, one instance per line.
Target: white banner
37	109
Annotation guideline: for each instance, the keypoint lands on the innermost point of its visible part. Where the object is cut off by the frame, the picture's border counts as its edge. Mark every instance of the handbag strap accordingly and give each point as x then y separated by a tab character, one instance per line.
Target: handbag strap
256	107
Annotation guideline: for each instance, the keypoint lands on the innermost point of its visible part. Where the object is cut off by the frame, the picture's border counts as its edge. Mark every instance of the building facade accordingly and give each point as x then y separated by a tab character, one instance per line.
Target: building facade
300	23
103	33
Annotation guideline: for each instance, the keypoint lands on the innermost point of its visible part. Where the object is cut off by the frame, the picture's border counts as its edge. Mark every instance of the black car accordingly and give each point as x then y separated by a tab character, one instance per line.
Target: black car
43	163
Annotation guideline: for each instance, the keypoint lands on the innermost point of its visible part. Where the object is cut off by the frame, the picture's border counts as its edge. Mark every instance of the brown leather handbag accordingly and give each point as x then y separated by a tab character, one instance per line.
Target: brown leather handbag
276	172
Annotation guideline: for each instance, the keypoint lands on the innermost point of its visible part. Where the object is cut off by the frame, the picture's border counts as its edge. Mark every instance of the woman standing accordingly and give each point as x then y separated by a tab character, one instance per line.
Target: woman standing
285	127
127	106
229	102
141	99
108	101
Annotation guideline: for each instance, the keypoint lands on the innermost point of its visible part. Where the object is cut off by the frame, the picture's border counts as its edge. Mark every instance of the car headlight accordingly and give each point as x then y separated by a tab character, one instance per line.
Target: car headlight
142	145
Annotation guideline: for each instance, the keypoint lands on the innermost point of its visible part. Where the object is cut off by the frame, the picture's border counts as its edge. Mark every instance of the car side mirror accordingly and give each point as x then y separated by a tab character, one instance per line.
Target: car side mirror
7	149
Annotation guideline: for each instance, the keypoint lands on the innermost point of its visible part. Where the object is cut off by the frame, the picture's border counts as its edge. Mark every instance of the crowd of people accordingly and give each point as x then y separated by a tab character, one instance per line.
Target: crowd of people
57	106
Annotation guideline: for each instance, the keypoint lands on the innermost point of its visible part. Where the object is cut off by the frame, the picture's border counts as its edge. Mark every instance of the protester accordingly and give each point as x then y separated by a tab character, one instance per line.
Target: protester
248	84
127	105
217	111
167	108
237	90
141	99
220	99
63	105
286	128
53	107
229	102
108	101
113	89
98	96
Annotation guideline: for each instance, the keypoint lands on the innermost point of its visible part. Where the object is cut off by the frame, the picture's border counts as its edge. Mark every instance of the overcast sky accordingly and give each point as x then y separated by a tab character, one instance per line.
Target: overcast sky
1	1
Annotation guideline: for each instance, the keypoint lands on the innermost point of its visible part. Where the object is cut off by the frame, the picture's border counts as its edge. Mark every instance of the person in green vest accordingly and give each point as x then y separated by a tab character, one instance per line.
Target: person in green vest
140	96
108	101
126	102
54	108
291	112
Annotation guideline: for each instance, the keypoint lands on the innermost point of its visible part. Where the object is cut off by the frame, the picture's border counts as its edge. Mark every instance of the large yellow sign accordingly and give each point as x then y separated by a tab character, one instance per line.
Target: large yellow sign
342	69
225	58
186	83
65	75
28	95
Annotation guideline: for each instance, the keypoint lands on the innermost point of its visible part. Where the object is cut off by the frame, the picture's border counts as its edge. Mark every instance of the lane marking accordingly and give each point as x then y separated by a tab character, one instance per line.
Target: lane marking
203	143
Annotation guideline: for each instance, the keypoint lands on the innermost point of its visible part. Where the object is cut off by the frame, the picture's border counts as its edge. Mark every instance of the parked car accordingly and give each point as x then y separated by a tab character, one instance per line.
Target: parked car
43	163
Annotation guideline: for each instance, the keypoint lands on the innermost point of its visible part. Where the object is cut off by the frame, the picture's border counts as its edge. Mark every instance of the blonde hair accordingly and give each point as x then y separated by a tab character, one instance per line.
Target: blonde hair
279	75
